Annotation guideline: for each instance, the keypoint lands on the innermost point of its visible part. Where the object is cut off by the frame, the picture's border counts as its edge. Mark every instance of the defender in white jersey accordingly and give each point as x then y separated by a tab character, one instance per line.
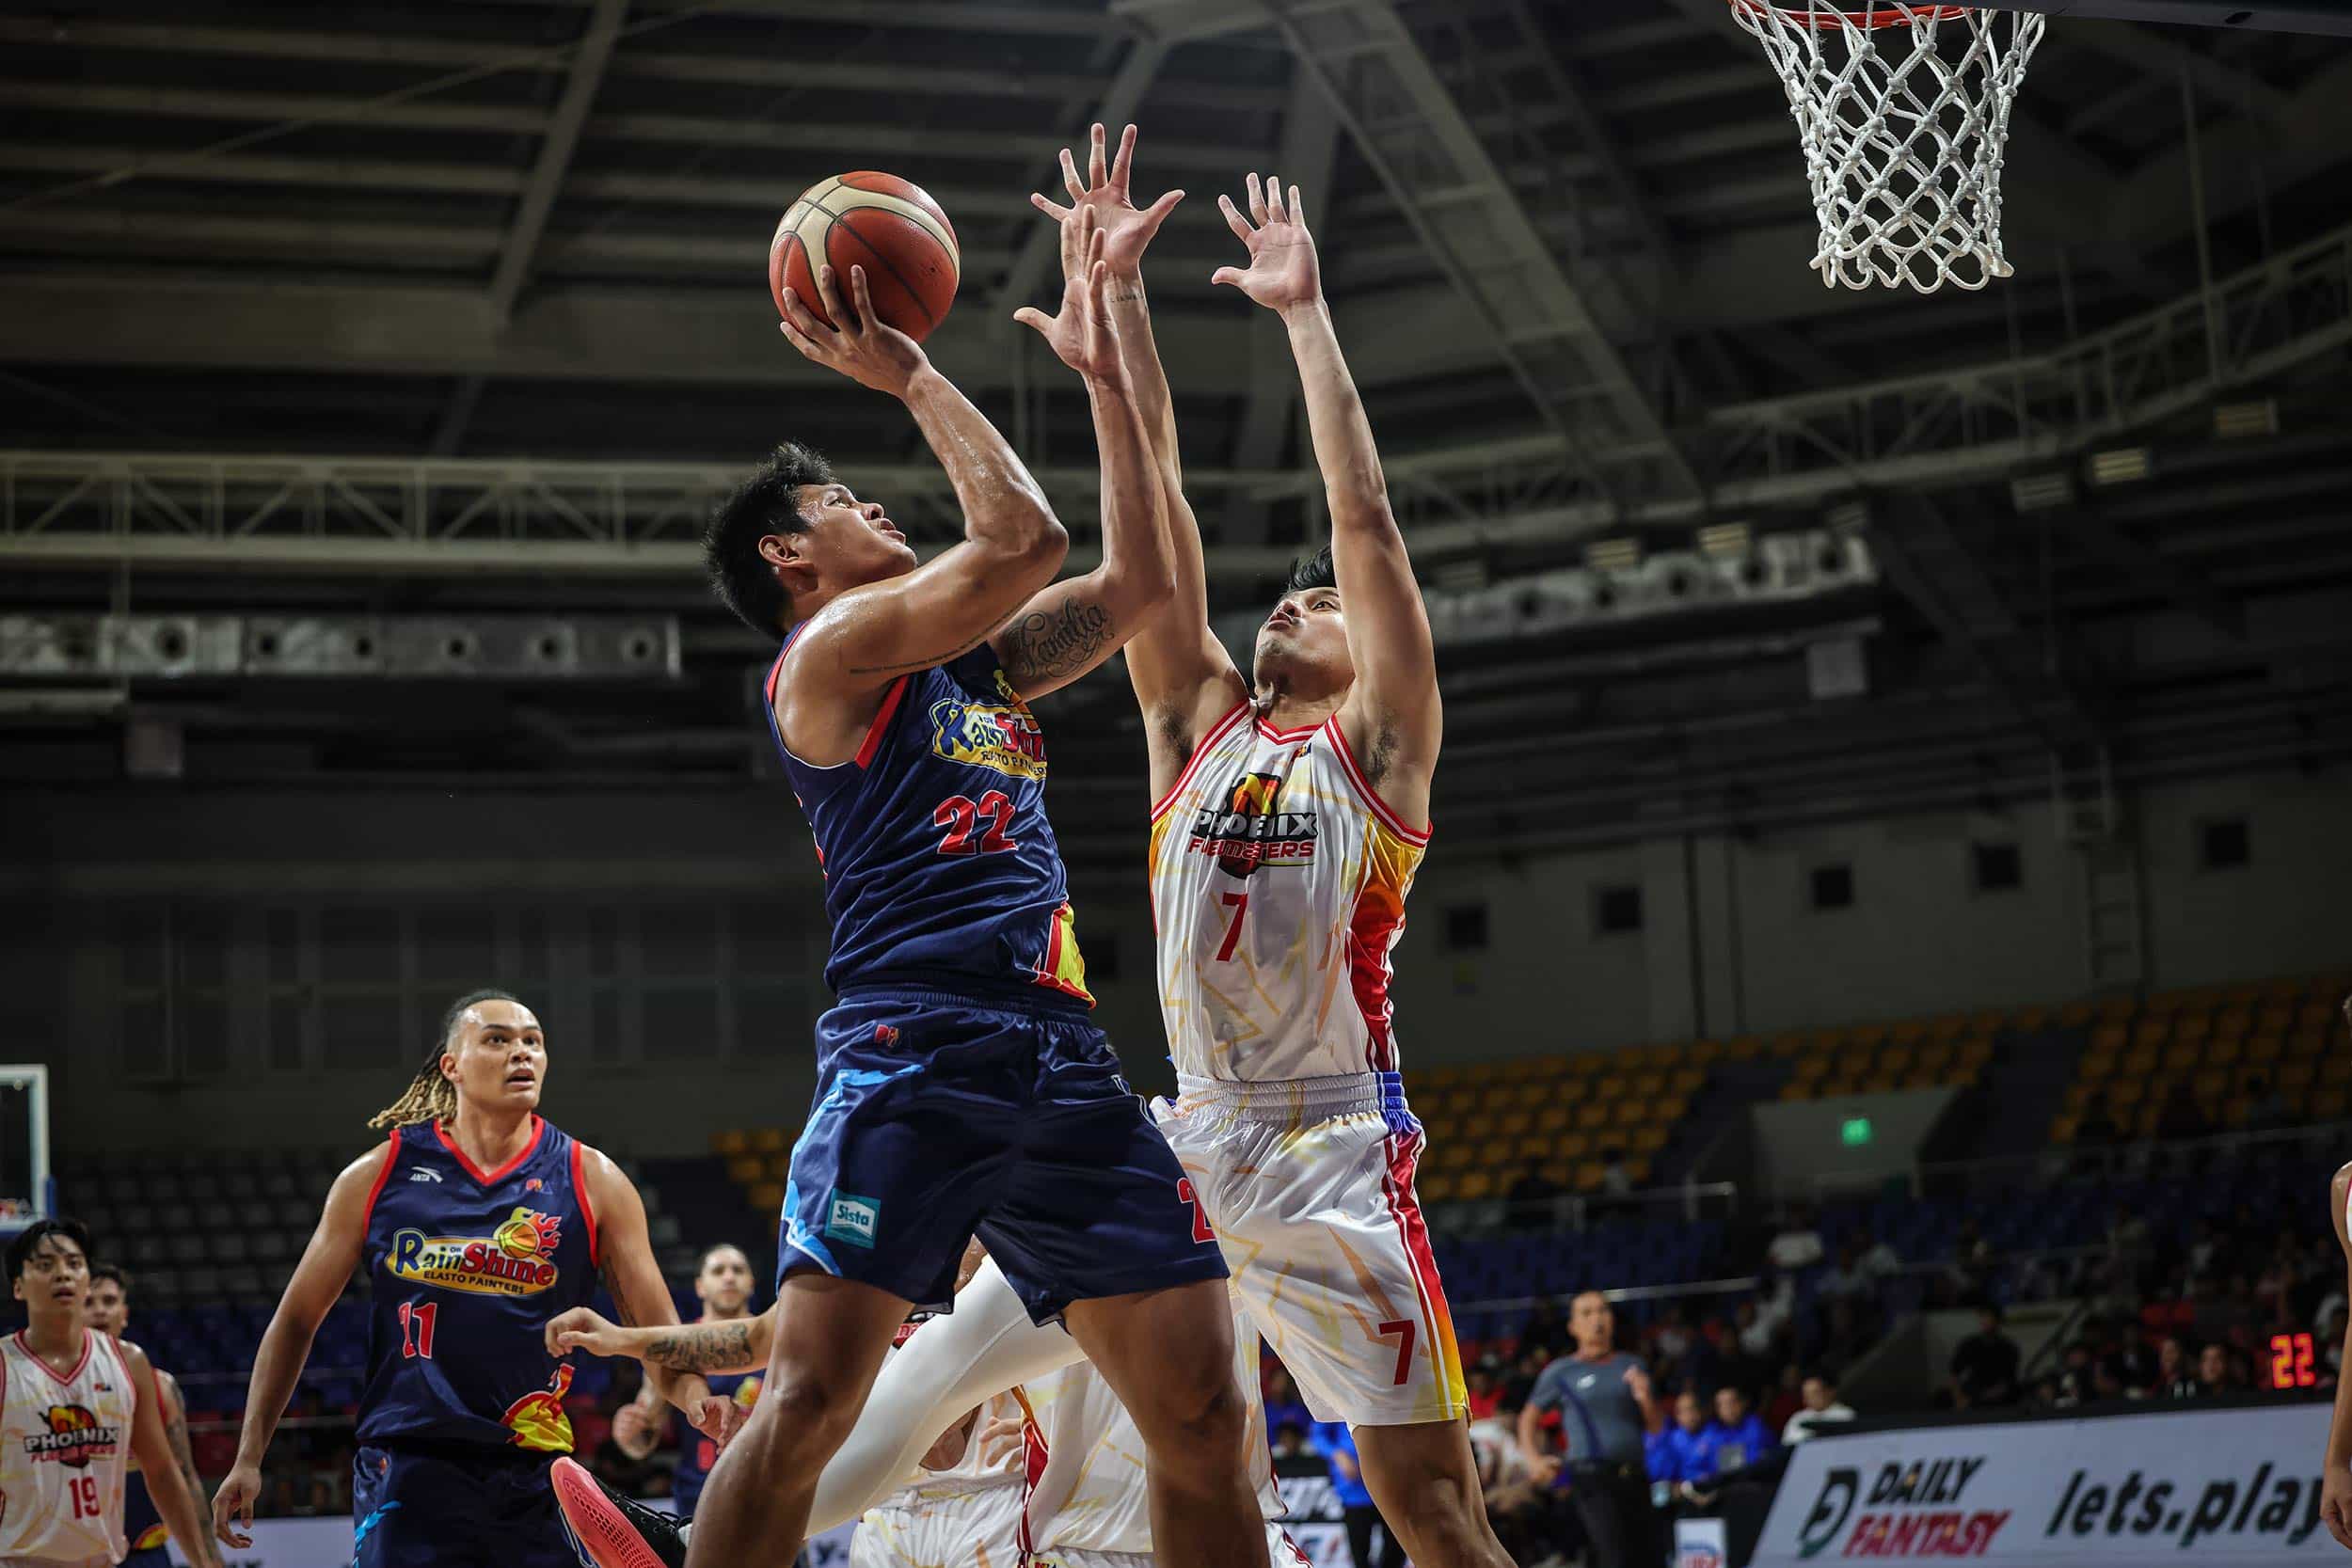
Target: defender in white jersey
966	1508
79	1406
1291	813
1086	1505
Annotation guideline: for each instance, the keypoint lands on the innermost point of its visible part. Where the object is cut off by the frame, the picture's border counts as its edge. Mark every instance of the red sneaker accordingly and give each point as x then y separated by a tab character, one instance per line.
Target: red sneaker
613	1531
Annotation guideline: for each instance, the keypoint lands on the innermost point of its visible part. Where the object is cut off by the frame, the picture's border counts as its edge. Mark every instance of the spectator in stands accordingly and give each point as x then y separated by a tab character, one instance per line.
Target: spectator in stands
1984	1365
1787	1398
1844	1280
2129	1251
1520	1382
1288	1442
1282	1403
1524	1514
1546	1329
1843	1332
1338	1447
2213	1371
1879	1262
1798	1246
1971	1267
1822	1407
1675	1454
1615	1180
2176	1378
1737	1437
1607	1411
1485	1386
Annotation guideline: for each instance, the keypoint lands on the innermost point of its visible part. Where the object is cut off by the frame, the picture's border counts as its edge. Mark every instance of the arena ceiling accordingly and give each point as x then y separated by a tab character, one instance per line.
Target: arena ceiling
535	230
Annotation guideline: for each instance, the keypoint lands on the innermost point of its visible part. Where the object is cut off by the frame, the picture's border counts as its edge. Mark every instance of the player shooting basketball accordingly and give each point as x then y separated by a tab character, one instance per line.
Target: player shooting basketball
1291	814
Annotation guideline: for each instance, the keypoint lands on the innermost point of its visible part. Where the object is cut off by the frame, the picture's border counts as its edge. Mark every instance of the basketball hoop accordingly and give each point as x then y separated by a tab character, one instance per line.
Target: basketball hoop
1904	146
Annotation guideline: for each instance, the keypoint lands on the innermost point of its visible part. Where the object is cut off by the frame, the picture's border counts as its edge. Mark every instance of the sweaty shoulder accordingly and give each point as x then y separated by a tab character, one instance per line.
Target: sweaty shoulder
2339	1194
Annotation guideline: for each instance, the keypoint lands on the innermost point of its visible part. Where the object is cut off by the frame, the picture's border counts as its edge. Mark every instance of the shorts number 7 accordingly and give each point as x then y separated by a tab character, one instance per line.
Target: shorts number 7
1404	1327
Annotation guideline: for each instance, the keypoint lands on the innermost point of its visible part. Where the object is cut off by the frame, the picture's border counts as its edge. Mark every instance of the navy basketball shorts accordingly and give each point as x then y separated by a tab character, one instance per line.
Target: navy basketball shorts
940	1117
451	1506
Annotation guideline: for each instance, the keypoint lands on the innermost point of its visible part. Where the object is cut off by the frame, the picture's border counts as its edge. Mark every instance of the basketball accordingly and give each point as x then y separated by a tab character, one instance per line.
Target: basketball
886	225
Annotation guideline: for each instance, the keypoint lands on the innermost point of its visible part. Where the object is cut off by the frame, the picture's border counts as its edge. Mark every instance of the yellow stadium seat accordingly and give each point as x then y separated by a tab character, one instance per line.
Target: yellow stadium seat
1650	1140
2062	1129
2166	1002
1573	1146
1869	1036
2074	1015
1555	1118
744	1169
2140	1064
1706	1053
1670	1056
1986	1023
2110	1036
2096	1066
1588	1176
2328	1105
733	1141
2193	1027
1896	1058
1975	1052
1638	1169
1595	1115
2320	1015
2210	1083
2183	1058
1831	1040
1788	1042
2298	1076
2079	1097
1921	1078
1910	1032
767	1195
2116	1010
1950	1027
1611	1087
2149	1117
1512	1124
2308	1042
1673	1109
1797	1089
1585	1064
1745	1047
2029	1017
2151	1031
768	1140
2225	1052
2261	1052
1838	1087
2127	1091
1475	1185
2239	1022
1809	1069
1478	1129
1439	1077
1536	1146
1560	1172
2237	1111
1436	1186
1648	1085
1686	1081
1881	1083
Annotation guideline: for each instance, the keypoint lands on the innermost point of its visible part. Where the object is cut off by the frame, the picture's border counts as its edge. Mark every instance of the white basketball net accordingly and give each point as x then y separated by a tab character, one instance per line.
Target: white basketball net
1904	146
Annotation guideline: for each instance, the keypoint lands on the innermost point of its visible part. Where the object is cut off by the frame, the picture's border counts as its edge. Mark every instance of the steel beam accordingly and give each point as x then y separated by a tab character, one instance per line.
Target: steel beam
555	154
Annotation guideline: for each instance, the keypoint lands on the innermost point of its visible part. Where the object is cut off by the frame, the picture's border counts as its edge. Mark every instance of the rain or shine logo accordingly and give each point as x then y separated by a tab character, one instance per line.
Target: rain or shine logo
515	1259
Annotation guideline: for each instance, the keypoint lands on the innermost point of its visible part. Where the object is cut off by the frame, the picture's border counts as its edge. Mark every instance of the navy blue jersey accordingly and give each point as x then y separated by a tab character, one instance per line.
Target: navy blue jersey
142	1523
940	867
468	1266
696	1453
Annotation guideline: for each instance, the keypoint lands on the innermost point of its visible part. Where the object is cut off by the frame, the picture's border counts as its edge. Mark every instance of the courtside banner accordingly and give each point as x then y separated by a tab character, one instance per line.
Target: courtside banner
2238	1486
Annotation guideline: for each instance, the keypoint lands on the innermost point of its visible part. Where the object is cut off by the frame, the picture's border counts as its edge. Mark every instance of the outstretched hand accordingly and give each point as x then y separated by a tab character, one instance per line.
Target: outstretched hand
583	1328
1081	336
1282	270
1126	228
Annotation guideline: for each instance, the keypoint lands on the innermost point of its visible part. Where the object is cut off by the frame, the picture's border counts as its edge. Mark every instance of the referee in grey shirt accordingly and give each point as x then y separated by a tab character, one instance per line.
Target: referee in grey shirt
1607	1411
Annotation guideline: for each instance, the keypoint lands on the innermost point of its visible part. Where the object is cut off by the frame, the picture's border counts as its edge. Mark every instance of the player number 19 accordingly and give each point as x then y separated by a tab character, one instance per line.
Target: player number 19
85	1493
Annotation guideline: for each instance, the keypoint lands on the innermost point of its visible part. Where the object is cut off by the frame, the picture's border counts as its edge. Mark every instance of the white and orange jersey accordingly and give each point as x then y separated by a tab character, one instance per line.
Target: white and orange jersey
65	1447
1278	888
1089	1496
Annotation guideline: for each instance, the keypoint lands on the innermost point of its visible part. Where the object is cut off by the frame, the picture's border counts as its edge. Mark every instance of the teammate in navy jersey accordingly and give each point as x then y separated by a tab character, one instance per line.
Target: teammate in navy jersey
108	1309
961	1086
723	1283
477	1222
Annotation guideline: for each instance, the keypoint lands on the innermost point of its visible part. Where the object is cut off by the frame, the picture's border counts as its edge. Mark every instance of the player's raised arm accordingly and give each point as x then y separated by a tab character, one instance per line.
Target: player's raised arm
2335	1468
626	1265
734	1345
1393	712
317	1283
1184	678
1072	626
151	1445
1013	544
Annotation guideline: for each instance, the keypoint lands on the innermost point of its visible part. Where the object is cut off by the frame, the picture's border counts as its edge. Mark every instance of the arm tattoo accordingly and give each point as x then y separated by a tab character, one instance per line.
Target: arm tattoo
1049	645
701	1347
611	1277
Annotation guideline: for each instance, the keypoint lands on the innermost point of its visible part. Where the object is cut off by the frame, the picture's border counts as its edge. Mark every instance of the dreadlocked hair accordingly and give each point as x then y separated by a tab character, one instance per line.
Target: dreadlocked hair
431	1097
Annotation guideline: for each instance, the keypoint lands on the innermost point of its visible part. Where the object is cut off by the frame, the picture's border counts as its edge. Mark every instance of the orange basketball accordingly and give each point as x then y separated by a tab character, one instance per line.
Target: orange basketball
886	225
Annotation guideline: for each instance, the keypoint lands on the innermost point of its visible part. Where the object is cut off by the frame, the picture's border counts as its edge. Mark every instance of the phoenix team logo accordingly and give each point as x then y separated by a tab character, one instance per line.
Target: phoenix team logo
1246	831
75	1436
1002	736
515	1259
